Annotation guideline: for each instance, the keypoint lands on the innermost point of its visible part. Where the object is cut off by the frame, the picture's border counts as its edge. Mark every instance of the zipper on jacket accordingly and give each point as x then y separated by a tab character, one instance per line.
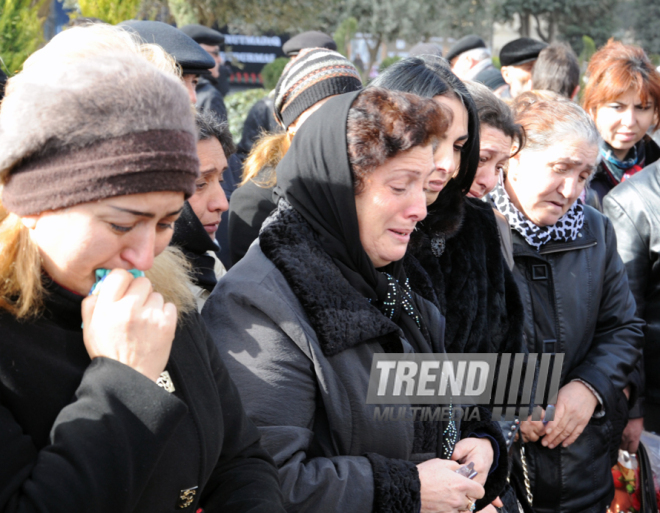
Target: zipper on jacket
586	245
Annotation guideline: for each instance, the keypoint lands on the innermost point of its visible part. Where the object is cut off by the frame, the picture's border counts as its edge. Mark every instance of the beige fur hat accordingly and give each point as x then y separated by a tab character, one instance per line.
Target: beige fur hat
109	125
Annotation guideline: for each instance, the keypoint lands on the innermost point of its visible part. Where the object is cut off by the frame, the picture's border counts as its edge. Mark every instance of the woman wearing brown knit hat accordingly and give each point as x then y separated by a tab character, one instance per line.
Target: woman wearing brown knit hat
307	82
117	402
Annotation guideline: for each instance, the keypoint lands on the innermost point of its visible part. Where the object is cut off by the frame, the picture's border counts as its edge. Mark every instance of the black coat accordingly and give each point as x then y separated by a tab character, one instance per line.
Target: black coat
634	209
260	120
577	301
251	204
209	98
97	436
471	282
602	183
299	339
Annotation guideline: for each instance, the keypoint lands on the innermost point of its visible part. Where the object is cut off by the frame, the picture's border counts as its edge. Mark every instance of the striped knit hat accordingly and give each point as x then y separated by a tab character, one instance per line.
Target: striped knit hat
309	78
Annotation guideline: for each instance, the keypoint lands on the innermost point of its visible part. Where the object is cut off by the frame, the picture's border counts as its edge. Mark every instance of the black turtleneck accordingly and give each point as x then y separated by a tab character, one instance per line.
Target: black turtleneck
195	242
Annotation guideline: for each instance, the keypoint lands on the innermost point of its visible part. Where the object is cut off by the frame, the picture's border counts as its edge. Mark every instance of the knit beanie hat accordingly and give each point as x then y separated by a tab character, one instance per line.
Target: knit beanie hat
104	126
312	76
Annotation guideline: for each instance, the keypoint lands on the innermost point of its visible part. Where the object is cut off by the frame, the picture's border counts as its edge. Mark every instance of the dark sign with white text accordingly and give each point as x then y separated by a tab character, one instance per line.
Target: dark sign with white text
247	56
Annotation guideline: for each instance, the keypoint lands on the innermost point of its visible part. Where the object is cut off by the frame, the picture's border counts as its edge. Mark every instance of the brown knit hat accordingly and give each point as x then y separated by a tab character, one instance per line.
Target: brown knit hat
106	126
313	75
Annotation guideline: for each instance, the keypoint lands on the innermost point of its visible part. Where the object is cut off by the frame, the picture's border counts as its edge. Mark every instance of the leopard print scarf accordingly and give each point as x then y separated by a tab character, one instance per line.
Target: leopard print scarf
566	229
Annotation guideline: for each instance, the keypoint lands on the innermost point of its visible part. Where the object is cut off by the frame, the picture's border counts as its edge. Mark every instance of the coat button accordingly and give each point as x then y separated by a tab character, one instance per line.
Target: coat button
186	497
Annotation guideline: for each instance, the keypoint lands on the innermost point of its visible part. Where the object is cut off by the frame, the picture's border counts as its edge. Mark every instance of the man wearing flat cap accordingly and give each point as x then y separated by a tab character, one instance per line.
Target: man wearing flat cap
212	41
470	59
192	58
310	39
517	59
468	56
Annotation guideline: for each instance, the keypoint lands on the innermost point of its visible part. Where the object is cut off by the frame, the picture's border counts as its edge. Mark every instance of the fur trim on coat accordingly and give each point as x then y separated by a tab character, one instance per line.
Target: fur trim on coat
470	281
340	315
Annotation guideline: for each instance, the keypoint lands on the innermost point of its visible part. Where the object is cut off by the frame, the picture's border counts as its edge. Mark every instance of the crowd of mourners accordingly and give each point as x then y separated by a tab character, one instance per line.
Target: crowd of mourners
189	324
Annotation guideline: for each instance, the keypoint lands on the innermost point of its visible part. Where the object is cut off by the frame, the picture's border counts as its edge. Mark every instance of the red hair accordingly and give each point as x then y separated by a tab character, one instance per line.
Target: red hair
614	70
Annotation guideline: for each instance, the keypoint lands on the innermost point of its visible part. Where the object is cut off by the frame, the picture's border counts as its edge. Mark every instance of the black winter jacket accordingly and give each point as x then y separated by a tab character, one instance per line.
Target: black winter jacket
209	98
299	340
601	183
259	121
577	301
633	207
97	436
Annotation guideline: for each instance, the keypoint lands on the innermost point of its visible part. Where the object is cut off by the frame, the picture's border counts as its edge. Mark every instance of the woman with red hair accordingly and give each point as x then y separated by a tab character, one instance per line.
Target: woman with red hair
623	98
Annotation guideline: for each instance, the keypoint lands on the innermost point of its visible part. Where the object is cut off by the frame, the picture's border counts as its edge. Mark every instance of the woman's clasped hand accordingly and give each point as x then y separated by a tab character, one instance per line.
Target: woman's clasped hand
130	323
443	490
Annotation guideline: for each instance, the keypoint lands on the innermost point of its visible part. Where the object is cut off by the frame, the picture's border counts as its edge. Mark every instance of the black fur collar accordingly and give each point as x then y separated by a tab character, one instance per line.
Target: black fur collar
340	316
471	285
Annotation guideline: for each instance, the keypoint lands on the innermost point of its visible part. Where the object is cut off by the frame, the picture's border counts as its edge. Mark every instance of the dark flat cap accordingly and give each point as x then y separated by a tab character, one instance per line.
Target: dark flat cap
311	39
425	49
491	78
203	35
465	44
192	58
521	50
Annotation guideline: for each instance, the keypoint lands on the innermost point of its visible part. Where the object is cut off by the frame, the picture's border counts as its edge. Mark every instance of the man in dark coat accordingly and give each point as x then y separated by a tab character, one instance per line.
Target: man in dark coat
471	59
468	56
209	96
517	58
192	58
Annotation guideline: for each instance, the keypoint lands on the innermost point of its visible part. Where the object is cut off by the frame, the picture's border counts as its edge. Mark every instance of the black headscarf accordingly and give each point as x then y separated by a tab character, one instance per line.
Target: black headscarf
315	177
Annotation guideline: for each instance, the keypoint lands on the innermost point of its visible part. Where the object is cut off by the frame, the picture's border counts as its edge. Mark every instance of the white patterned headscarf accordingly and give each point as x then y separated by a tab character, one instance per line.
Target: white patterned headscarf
565	229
